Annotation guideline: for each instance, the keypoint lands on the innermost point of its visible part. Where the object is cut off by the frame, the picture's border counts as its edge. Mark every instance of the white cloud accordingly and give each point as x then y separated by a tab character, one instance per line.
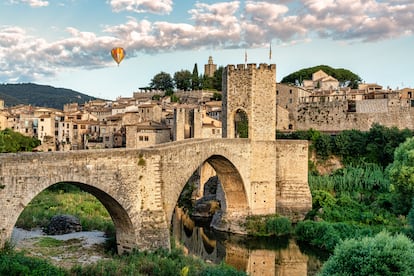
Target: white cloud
142	6
218	25
32	3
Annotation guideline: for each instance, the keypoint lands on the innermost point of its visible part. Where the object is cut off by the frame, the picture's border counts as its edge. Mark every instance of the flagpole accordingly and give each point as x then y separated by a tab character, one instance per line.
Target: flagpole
270	52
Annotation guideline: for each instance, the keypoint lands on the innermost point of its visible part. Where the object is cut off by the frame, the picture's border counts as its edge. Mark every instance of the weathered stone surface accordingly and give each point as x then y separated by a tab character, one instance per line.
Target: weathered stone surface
63	224
140	187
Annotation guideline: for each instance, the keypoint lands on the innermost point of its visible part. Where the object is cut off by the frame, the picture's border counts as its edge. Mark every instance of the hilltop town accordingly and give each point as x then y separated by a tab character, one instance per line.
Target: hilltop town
150	117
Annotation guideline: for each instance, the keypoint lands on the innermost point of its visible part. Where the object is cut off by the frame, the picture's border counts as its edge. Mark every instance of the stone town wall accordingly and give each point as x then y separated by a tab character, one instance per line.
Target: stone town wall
372	106
334	116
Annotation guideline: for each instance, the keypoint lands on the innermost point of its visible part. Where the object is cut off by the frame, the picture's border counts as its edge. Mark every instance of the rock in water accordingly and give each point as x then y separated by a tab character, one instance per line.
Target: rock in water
63	224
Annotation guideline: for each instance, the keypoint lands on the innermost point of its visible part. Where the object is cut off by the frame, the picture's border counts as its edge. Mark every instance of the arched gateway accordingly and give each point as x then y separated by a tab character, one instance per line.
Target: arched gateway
140	187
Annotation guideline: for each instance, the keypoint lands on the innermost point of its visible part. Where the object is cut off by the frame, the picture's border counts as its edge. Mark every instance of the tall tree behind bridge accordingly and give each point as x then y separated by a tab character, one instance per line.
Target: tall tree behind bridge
195	79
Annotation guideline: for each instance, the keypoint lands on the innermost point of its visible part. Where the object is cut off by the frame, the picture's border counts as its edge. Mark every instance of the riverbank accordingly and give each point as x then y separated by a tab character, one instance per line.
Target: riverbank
79	248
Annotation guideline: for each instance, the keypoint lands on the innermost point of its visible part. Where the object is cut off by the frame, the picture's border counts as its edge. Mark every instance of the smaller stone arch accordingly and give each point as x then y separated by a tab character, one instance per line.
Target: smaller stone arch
240	123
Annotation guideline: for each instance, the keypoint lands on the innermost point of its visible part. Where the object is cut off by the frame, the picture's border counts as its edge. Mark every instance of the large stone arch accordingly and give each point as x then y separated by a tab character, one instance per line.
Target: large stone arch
125	234
100	174
235	185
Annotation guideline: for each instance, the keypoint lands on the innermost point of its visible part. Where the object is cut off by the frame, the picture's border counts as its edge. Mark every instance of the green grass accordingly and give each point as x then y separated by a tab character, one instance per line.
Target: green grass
49	242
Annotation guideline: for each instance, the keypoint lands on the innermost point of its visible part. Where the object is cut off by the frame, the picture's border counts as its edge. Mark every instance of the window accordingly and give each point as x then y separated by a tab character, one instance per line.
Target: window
42	120
75	126
141	138
146	138
290	91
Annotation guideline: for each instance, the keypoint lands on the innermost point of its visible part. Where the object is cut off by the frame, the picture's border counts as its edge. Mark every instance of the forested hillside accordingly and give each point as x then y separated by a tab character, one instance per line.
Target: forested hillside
40	95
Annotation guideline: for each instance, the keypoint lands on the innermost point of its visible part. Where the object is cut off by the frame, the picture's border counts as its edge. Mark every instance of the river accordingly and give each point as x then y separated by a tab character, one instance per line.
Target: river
256	256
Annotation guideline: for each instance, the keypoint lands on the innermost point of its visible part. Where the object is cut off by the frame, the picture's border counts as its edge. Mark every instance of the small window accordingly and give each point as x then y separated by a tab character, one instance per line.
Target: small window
146	138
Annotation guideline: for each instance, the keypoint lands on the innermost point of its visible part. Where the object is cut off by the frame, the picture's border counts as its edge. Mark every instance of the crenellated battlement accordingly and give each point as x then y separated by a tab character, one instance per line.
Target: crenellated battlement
251	66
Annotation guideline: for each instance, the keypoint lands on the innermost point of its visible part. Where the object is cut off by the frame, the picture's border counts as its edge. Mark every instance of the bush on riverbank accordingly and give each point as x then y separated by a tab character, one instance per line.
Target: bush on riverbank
15	263
161	262
380	255
327	235
272	225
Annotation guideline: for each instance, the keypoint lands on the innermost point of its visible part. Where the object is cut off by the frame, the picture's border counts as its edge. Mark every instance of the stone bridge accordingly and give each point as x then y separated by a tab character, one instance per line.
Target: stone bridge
140	187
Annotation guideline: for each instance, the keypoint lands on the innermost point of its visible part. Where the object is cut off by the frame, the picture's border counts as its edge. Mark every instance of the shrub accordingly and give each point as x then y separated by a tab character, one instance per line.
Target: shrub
380	255
12	263
278	226
319	234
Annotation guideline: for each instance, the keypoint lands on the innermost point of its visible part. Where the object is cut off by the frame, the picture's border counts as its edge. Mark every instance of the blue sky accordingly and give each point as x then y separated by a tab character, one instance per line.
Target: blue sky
67	43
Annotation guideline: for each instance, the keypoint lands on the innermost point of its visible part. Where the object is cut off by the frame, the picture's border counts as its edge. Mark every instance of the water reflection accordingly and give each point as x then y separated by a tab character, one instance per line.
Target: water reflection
264	256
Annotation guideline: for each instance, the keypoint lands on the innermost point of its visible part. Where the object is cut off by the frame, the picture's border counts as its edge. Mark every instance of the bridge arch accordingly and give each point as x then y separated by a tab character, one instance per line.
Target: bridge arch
122	222
236	202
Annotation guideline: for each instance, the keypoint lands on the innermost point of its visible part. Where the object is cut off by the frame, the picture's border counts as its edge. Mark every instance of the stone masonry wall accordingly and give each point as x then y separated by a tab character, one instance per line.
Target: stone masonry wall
334	116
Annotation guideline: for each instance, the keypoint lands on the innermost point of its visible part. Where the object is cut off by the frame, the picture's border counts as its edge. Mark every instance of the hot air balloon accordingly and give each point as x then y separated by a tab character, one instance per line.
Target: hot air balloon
118	54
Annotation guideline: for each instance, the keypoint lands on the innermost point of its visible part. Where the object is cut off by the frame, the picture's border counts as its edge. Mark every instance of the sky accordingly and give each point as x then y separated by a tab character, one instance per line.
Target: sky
67	43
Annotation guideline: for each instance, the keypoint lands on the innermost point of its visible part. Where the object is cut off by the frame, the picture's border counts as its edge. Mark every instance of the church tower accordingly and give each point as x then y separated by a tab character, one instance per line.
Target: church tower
210	68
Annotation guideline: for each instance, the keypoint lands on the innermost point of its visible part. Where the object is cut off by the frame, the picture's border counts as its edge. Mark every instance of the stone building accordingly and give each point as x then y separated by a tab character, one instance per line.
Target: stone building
146	134
321	81
210	67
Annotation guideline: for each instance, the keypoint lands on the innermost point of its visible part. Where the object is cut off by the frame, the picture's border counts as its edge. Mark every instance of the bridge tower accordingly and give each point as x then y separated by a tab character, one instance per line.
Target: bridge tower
252	90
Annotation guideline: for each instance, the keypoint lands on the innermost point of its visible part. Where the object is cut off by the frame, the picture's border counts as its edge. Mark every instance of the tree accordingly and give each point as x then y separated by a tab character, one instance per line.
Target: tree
182	80
345	77
195	79
207	82
217	78
11	141
162	81
401	173
380	255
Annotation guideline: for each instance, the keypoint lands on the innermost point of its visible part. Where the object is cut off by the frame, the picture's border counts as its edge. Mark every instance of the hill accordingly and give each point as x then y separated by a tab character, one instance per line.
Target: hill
40	95
344	76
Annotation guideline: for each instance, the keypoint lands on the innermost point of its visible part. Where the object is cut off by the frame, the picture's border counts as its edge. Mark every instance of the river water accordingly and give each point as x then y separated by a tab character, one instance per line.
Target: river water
256	256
